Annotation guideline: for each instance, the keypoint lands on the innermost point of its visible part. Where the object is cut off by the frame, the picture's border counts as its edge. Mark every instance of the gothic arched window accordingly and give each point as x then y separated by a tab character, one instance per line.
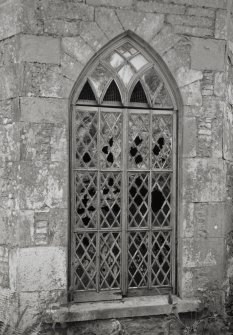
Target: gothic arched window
123	177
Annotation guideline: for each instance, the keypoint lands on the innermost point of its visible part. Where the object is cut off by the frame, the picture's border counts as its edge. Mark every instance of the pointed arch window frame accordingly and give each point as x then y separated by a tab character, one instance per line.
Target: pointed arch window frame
170	85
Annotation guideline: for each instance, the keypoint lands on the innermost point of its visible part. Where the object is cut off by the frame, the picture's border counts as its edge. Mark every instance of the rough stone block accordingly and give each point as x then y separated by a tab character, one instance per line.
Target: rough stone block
41	49
191	94
150	26
185	76
187	20
36	303
93	35
193	31
9	139
221	24
190	137
204	220
108	21
35	141
43	142
130	19
204	137
204	180
207	54
45	80
227	133
77	48
70	68
199	11
219	84
4	267
44	110
204	3
8	82
212	106
217	137
9	111
41	184
17	227
39	269
152	6
10	19
66	10
113	3
203	252
9	51
178	56
164	40
51	225
64	28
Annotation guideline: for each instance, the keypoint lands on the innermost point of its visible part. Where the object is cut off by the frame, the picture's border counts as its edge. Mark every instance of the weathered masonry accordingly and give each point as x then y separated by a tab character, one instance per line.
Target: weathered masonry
116	161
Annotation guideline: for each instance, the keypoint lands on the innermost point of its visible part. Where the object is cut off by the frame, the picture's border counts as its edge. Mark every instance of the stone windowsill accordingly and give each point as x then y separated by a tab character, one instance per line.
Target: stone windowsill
127	307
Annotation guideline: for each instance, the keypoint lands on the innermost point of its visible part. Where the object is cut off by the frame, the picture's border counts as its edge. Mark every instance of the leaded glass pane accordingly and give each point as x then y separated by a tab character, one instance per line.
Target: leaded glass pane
111	138
139	140
85	199
110	260
127	50
85	261
151	80
162	141
100	78
138	259
110	199
86	138
161	258
115	60
126	73
138	199
162	97
161	199
138	62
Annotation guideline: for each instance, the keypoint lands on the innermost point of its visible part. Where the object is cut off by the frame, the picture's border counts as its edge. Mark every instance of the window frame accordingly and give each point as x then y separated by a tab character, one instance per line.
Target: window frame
176	140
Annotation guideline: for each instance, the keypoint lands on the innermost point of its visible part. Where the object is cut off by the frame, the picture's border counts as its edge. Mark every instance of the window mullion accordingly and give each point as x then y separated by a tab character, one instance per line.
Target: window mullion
124	202
149	205
98	207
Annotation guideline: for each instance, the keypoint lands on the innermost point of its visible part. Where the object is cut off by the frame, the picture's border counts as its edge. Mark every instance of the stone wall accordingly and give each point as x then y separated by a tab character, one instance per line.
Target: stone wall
44	45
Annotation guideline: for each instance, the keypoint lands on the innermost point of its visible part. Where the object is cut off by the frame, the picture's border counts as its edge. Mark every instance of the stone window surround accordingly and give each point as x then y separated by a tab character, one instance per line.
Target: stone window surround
171	85
125	308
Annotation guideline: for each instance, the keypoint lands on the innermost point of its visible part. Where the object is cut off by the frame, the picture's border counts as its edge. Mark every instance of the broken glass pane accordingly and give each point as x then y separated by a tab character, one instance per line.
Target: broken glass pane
126	73
161	259
86	199
111	135
161	199
138	200
162	141
110	199
138	62
86	138
85	264
139	140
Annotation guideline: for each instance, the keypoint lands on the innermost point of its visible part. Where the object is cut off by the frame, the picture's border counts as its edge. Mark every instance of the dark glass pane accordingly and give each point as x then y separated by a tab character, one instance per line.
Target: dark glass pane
87	93
138	94
112	93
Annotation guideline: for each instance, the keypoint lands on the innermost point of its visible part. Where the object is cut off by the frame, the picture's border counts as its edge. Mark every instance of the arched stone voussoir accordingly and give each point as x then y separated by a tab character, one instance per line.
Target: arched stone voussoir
77	49
108	22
